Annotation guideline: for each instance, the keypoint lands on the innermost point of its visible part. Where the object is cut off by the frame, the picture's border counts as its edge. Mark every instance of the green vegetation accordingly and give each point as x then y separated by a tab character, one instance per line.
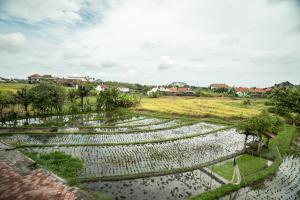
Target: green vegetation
286	101
111	99
12	87
284	138
247	164
59	163
247	180
83	90
257	125
47	97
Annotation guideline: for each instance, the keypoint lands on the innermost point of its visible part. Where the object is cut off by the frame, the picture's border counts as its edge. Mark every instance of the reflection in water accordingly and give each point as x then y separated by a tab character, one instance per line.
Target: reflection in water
174	186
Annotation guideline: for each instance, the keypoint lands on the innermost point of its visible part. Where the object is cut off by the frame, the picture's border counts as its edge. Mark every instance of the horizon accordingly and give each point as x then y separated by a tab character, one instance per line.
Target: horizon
247	44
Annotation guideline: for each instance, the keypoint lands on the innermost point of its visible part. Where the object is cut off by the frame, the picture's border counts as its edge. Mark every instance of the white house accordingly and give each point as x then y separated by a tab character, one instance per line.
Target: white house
100	88
123	89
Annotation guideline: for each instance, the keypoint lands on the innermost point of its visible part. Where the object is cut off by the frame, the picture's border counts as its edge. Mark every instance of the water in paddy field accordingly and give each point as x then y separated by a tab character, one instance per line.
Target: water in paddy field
174	186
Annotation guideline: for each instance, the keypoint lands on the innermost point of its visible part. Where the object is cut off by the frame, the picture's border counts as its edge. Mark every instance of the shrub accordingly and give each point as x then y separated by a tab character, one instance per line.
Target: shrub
112	98
155	94
247	102
47	97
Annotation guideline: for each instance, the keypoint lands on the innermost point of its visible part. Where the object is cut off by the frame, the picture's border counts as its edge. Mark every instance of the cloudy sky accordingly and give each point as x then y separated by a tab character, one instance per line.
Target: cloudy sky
239	42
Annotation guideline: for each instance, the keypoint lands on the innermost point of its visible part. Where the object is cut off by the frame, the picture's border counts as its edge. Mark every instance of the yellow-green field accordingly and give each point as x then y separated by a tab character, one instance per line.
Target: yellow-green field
12	87
226	108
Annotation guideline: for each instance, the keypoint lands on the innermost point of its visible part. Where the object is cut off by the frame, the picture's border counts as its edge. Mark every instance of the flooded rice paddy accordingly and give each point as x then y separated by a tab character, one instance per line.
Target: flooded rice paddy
137	145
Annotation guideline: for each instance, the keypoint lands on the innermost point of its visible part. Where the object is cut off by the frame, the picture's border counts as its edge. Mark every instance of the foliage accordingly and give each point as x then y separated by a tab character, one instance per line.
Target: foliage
23	98
59	163
47	97
155	94
83	90
5	100
261	123
286	100
72	95
112	98
247	102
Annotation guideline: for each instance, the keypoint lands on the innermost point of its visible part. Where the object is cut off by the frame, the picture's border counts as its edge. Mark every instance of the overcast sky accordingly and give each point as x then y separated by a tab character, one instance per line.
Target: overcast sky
238	42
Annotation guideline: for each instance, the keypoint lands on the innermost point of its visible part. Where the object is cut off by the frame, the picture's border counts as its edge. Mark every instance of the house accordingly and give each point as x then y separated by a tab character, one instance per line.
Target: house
3	80
101	87
178	91
218	86
242	91
258	92
36	78
74	81
123	89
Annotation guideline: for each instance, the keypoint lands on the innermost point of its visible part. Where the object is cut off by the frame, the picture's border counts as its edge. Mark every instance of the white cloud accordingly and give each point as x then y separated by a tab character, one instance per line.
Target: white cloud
165	63
37	11
12	42
228	37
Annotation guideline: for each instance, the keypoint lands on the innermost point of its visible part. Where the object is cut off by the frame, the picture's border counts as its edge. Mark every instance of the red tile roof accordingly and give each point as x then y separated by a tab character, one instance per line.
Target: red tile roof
241	89
182	89
260	90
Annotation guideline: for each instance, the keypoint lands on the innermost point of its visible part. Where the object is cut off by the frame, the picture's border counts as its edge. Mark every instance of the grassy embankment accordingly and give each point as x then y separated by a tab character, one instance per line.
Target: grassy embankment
59	163
247	164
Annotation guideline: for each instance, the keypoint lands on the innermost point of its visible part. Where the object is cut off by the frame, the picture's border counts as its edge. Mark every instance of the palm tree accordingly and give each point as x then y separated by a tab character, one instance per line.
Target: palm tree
83	91
23	98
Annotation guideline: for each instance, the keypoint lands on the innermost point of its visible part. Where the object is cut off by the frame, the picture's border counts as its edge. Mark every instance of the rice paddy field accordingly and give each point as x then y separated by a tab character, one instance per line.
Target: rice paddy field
226	108
13	87
130	155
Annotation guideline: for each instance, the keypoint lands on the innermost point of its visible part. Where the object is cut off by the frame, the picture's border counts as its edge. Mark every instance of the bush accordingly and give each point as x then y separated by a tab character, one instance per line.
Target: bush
47	97
247	102
154	94
112	98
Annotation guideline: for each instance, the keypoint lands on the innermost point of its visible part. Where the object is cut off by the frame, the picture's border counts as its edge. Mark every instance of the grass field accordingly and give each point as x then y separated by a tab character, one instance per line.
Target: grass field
12	87
247	164
226	108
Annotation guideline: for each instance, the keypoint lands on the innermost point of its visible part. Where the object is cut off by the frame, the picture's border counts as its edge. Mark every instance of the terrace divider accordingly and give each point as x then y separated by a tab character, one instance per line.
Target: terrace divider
125	143
103	133
248	180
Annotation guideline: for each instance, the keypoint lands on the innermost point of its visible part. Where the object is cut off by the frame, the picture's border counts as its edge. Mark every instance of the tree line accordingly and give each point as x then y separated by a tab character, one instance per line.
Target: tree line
50	98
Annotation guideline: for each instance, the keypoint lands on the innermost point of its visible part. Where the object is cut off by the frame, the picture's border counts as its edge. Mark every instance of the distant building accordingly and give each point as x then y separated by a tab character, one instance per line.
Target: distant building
36	78
242	91
284	84
123	89
218	86
101	87
174	91
72	81
258	92
3	80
